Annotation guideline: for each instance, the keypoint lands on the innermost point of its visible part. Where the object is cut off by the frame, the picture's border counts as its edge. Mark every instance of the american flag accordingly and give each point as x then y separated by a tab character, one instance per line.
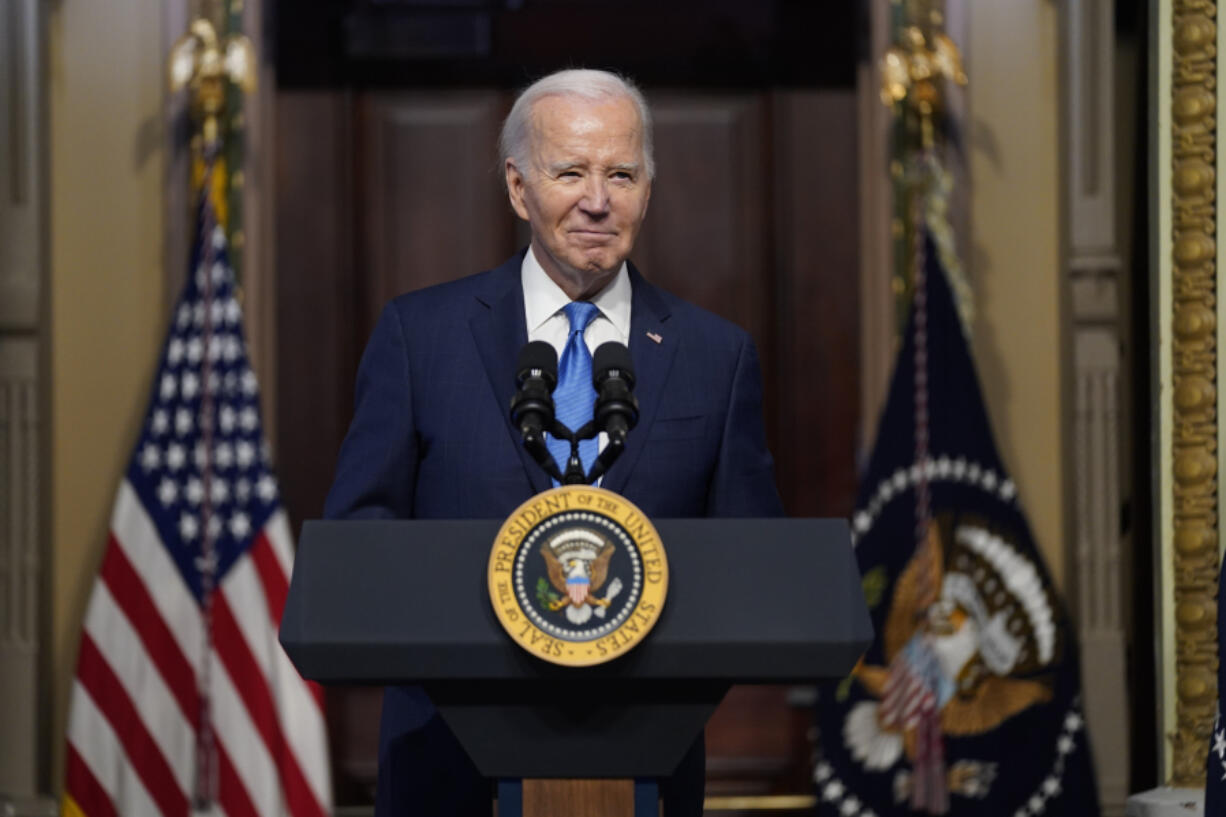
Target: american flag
1215	771
184	701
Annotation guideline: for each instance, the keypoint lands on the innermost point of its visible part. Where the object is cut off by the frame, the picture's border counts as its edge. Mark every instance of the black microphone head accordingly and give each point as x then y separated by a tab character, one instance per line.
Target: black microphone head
612	358
538	356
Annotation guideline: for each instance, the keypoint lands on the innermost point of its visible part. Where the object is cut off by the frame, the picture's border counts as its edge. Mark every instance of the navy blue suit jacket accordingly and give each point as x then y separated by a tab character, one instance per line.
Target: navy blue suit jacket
431	437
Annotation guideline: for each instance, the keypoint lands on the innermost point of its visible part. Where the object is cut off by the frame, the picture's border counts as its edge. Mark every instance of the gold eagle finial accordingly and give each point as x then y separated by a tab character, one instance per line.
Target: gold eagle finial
911	69
204	63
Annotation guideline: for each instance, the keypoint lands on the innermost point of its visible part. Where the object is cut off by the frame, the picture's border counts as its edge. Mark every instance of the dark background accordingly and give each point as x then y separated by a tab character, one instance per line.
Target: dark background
716	43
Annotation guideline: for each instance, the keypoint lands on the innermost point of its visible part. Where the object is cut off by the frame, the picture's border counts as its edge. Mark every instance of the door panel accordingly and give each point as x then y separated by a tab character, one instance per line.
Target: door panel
703	238
430	197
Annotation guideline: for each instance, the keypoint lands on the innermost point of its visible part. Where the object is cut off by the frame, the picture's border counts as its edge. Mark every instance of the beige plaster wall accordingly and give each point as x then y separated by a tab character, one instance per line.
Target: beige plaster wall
106	286
1013	138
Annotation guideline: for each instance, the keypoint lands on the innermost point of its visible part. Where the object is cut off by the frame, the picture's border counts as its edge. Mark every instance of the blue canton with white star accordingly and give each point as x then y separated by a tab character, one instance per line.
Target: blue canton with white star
169	466
1215	757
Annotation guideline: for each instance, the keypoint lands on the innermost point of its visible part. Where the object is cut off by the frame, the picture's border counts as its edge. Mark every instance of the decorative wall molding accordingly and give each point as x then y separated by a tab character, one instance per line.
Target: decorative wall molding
21	157
22	273
1096	435
20	563
1097	548
1193	398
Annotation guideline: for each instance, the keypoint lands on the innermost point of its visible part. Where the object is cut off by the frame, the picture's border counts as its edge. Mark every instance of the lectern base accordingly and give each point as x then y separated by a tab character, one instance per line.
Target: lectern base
578	798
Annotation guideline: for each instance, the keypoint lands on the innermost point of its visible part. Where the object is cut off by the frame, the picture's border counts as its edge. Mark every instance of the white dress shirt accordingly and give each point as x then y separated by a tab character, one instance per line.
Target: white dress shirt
544	301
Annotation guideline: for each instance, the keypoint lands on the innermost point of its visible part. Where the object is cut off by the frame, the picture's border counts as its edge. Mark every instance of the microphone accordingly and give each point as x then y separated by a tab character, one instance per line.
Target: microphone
617	410
536	374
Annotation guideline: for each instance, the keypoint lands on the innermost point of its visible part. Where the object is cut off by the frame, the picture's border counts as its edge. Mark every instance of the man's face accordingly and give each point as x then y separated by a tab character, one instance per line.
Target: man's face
586	191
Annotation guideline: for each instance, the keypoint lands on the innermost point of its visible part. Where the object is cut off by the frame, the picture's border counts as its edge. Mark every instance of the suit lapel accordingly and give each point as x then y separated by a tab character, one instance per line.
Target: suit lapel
652	362
499	331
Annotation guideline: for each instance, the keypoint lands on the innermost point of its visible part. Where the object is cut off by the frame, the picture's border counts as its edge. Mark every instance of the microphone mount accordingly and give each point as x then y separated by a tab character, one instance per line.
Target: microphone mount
574	464
615	410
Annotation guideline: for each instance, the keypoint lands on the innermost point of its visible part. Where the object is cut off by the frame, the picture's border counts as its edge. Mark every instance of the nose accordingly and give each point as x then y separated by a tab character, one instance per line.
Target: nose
595	201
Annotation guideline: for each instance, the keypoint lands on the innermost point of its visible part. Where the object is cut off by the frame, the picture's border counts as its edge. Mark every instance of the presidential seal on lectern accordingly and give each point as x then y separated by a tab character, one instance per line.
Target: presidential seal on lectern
578	575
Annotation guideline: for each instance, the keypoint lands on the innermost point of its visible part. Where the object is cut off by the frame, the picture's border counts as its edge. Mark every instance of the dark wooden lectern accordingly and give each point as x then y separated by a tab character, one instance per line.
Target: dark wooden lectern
750	601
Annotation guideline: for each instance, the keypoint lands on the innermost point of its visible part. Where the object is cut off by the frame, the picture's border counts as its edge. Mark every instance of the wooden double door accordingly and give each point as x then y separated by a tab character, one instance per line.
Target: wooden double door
754	216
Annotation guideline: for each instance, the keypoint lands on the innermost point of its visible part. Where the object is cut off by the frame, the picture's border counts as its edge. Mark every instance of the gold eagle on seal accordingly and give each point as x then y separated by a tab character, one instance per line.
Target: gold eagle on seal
577	562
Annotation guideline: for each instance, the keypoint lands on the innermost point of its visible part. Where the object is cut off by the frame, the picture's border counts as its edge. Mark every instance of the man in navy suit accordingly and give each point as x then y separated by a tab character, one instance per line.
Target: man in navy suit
431	437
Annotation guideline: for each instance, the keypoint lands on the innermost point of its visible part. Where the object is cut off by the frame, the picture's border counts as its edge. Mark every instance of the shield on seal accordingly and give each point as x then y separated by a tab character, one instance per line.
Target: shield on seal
577	587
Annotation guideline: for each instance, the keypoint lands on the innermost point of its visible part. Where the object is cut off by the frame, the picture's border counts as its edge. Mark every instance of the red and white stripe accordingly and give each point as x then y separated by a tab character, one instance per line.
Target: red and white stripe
135	705
904	698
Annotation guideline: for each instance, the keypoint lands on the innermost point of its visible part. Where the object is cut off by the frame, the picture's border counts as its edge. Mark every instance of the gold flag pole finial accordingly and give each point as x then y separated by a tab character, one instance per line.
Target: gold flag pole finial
216	70
211	68
203	63
911	71
916	72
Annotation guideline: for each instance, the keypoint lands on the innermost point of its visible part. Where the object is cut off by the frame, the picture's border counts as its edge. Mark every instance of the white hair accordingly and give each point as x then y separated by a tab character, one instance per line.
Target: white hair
516	139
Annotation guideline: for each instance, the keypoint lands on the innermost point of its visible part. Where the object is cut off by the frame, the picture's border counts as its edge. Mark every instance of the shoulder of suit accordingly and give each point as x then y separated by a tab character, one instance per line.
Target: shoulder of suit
448	291
444	301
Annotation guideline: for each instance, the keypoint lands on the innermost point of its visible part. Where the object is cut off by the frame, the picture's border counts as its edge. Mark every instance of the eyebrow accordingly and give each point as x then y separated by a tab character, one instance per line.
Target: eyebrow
562	167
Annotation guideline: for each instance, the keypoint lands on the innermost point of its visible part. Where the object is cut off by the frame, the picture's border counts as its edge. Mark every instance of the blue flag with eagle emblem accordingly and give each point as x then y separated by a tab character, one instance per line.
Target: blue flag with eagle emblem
968	700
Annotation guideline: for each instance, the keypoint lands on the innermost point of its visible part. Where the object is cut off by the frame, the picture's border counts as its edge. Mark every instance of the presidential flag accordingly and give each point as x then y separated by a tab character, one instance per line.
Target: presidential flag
184	701
968	700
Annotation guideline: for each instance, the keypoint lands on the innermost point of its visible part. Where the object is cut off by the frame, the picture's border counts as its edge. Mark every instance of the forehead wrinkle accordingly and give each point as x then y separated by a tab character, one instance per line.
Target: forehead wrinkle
573	134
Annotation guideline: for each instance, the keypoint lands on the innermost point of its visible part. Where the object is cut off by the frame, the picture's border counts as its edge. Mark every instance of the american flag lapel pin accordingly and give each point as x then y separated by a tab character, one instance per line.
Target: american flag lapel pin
655	337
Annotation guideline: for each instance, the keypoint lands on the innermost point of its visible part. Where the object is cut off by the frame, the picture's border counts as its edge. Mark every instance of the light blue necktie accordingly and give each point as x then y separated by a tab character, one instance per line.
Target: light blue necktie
575	397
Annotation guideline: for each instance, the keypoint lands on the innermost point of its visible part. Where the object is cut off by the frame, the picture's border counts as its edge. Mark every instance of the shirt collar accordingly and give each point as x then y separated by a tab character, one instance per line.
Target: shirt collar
543	298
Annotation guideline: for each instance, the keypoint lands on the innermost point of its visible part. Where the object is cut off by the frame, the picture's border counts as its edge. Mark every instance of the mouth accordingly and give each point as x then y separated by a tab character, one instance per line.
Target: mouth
593	235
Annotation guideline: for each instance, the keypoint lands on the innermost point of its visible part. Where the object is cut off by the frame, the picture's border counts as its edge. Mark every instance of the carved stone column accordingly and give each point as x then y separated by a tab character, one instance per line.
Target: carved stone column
1094	270
1097	544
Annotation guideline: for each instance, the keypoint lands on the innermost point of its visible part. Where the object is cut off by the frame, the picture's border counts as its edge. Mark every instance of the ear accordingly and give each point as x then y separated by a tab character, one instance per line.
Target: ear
516	189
